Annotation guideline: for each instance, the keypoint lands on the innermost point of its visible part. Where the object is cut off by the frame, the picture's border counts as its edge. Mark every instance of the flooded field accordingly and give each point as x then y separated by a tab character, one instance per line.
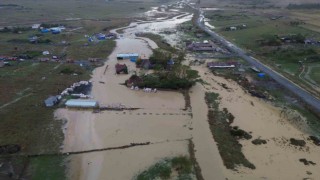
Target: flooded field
162	121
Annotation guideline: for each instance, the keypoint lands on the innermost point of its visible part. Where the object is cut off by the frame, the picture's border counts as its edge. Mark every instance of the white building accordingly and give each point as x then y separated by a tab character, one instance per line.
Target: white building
82	103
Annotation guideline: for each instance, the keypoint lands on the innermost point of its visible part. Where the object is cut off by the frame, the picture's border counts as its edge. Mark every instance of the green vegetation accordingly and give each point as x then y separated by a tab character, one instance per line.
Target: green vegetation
315	74
225	135
47	168
168	74
193	159
30	84
165	168
70	69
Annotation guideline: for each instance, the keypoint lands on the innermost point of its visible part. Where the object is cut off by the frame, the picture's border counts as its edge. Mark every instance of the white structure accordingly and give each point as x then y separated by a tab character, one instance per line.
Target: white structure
45	53
81	103
35	26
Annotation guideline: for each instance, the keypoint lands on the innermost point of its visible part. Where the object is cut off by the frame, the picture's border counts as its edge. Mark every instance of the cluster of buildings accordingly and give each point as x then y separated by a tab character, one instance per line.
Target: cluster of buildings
53	30
5	60
81	86
205	46
101	37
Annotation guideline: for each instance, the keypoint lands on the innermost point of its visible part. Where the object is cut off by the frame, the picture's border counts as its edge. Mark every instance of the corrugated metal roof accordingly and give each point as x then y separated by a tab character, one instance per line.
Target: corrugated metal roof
128	55
81	103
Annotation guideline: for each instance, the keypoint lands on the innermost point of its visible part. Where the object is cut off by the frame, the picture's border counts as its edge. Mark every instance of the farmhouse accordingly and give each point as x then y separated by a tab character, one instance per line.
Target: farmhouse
121	68
81	103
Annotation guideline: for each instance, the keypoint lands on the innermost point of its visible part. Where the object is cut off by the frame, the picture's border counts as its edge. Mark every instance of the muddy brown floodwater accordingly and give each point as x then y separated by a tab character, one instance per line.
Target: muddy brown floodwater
162	122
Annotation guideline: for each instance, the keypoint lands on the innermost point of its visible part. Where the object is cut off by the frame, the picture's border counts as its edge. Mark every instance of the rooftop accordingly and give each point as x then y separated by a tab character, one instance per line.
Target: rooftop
81	103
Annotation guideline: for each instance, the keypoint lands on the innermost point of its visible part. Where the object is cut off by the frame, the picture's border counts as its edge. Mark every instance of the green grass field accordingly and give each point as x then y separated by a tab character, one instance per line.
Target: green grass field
315	74
36	11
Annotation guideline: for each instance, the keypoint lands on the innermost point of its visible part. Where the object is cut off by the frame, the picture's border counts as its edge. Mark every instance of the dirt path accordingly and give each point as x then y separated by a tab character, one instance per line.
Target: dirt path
14	101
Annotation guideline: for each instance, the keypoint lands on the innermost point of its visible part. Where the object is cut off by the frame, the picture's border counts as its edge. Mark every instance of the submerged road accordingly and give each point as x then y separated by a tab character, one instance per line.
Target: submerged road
303	94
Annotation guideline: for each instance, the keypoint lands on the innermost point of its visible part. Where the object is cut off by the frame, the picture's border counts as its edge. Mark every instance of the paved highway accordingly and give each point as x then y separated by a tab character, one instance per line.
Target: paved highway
304	95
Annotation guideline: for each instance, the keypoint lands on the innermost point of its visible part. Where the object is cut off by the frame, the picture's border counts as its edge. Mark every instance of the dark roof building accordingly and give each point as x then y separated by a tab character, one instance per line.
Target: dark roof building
51	101
201	46
121	68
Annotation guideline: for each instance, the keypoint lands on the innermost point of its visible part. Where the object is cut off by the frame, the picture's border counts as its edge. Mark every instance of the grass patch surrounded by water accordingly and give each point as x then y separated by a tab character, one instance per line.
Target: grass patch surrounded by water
162	44
165	169
225	135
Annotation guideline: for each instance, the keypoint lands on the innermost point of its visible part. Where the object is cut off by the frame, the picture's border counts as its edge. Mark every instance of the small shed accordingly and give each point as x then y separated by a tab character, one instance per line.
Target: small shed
101	36
81	103
44	30
51	101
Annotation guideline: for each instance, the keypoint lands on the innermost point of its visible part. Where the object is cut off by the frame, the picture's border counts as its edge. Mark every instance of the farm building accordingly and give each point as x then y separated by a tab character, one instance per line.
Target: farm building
51	101
134	80
35	26
121	68
145	64
222	64
132	56
201	46
111	36
81	103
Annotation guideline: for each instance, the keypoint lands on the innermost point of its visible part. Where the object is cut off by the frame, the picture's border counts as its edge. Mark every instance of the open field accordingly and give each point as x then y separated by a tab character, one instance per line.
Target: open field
24	120
35	11
262	29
